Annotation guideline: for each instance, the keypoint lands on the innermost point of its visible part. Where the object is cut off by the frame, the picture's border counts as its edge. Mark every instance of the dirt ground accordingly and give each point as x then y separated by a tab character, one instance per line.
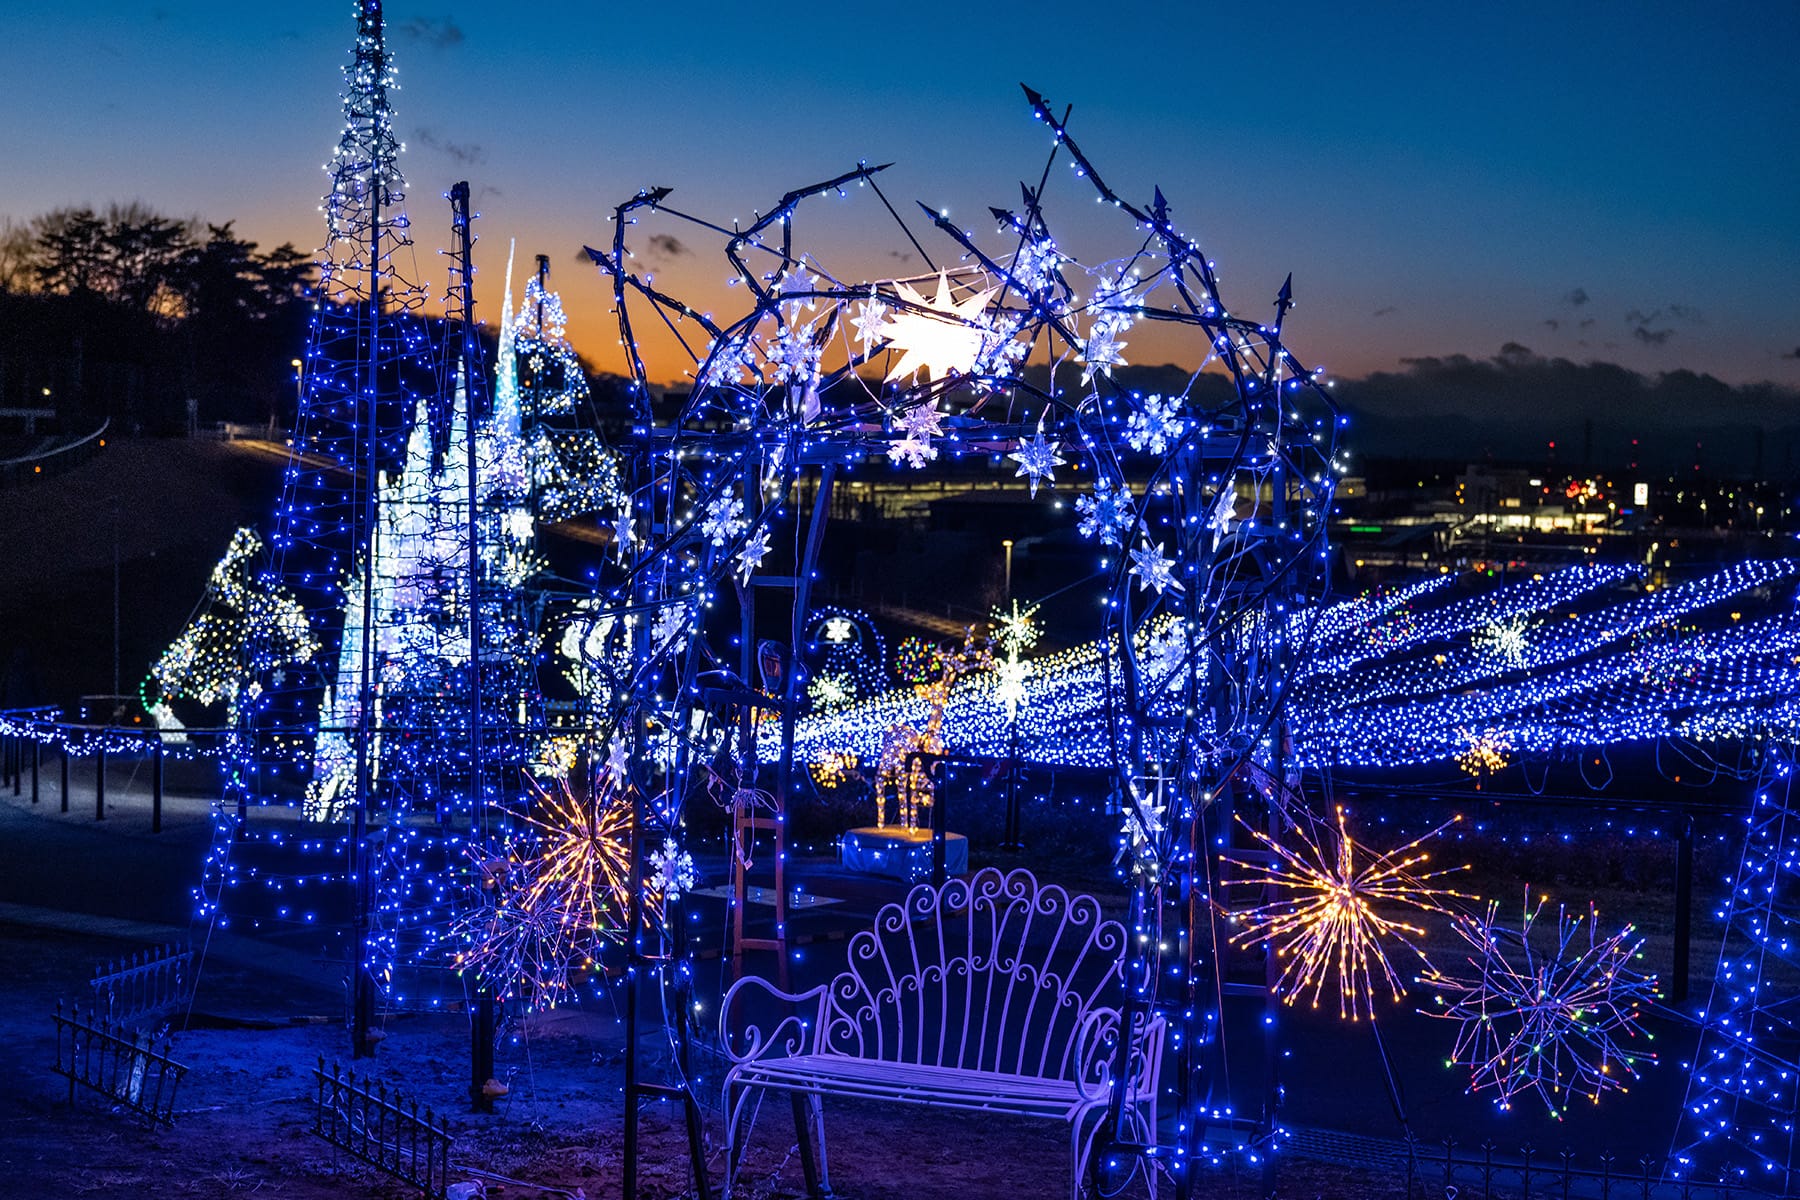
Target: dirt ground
266	1014
244	1113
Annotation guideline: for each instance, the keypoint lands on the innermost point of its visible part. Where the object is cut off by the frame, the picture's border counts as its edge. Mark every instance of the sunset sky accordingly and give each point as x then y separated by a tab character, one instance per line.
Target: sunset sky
1614	182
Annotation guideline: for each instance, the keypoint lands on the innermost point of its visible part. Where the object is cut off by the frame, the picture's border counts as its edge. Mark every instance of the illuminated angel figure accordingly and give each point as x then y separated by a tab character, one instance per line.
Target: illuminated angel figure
561	890
1324	920
1557	1022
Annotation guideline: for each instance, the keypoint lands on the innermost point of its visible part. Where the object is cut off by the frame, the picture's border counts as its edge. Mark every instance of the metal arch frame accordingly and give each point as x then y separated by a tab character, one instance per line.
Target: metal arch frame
733	436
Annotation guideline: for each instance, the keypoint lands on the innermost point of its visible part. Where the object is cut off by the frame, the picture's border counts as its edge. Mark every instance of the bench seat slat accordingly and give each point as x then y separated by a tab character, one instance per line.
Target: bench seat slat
914	1083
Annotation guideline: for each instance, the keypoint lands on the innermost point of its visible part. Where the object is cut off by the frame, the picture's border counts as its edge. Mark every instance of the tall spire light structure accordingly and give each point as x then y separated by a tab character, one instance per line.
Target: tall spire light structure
366	371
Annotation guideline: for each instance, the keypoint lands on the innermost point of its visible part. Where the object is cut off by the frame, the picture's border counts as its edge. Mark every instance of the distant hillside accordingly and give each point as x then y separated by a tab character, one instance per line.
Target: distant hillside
177	503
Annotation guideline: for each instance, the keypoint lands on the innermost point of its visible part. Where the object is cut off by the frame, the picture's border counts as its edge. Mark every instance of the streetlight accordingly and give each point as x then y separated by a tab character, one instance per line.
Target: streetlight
299	394
1008	544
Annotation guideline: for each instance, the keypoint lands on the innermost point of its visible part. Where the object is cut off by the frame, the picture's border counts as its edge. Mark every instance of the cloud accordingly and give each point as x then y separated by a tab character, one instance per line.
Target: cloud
441	32
1385	310
1643	324
1795	353
1575	297
1586	321
1459	405
466	154
1552	323
667	245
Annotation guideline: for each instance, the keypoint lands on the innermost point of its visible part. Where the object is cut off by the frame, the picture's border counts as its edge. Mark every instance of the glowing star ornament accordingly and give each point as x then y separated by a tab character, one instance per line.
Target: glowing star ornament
838	630
871	322
750	557
1325	920
624	536
1101	353
1223	510
1153	569
1557	1017
1139	835
920	424
940	336
1038	459
796	288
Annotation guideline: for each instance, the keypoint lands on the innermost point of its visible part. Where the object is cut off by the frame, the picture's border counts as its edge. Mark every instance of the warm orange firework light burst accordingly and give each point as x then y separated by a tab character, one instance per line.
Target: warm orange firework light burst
1324	922
561	891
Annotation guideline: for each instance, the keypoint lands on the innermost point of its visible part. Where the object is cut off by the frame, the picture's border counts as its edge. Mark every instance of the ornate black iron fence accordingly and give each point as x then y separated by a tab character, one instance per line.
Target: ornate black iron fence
383	1130
121	1064
144	988
1486	1173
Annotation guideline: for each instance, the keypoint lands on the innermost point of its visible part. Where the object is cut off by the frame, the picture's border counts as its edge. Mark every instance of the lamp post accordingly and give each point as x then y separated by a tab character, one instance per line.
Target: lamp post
118	708
299	393
1008	543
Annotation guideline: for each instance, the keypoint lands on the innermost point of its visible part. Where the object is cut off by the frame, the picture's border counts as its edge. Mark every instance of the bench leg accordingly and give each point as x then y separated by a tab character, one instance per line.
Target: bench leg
734	1119
808	1118
1082	1148
1079	1149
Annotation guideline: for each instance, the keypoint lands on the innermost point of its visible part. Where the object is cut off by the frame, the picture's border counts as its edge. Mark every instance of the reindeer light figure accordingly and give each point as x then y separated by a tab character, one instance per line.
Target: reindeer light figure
898	771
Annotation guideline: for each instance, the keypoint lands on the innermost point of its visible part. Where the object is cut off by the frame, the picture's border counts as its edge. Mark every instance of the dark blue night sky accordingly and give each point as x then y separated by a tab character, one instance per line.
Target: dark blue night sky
1439	178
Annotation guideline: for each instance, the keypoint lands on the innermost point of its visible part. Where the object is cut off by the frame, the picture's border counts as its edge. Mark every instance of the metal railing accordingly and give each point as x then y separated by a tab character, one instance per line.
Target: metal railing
59	456
1485	1173
121	1064
145	987
384	1131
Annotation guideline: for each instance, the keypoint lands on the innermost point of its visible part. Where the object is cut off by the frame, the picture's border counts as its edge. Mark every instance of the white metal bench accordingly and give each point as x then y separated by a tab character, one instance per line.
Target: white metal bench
985	994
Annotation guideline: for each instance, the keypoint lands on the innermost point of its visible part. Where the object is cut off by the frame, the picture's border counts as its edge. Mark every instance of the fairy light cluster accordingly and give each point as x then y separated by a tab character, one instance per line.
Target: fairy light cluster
1558	1016
1593	675
246	628
1740	1116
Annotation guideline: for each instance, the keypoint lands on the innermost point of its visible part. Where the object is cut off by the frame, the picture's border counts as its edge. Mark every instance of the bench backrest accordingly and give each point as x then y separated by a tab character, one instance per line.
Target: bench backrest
989	973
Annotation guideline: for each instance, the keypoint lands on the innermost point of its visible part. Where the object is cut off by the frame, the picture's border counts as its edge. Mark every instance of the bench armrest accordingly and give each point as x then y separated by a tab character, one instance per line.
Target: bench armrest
797	1033
1097	1051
